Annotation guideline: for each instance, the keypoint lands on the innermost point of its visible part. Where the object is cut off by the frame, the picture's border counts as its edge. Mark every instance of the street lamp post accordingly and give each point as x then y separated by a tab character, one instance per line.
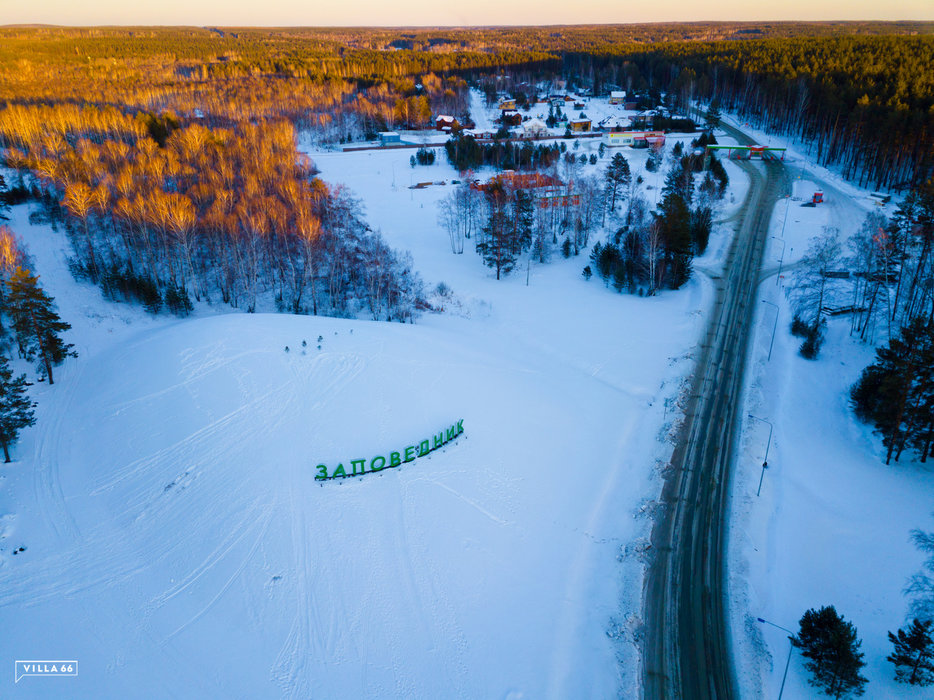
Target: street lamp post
790	647
781	260
782	238
765	462
785	220
774	327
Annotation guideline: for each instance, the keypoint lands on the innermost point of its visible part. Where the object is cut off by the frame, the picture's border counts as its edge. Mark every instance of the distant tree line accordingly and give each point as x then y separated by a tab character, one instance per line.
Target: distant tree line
227	215
863	103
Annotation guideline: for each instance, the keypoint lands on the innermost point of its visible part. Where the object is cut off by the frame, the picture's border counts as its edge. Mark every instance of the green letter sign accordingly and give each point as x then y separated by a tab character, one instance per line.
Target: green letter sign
421	449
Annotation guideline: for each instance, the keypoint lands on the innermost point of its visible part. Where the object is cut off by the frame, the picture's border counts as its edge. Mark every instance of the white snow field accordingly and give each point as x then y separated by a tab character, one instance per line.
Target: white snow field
178	545
188	549
832	523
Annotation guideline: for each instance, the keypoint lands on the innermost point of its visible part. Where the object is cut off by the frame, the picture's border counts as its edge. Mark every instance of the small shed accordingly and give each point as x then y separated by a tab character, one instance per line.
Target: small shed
387	138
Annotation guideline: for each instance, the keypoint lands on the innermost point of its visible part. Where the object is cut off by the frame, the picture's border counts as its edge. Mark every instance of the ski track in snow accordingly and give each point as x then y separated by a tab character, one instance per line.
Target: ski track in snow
173	471
50	497
262	526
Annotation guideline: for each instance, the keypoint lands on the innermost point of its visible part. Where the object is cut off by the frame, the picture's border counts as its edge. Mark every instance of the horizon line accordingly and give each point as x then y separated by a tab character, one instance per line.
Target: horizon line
42	25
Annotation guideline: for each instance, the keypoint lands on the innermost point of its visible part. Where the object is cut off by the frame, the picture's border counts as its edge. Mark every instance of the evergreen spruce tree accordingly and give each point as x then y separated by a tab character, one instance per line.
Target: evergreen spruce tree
914	654
15	406
618	177
37	326
831	645
524	219
675	222
920	588
712	118
896	392
498	246
4	203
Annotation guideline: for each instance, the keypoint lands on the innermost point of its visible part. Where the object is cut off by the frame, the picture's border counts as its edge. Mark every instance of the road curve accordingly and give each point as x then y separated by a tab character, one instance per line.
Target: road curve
686	649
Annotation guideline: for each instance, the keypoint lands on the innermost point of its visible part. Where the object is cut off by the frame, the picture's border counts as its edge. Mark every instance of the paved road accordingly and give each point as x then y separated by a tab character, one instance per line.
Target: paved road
686	652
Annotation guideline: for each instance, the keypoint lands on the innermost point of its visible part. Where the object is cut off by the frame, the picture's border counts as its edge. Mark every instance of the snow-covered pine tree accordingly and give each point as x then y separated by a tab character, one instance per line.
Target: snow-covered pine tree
712	118
37	326
15	406
831	644
618	177
920	588
896	392
499	245
914	654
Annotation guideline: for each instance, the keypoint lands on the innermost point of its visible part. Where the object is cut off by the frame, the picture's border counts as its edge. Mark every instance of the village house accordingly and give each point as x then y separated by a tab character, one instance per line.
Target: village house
614	123
534	128
506	104
479	133
635	139
645	120
579	126
617	97
446	123
511	118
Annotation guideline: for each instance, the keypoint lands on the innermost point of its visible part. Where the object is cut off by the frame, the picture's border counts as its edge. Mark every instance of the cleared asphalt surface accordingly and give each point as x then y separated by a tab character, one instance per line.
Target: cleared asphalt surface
686	652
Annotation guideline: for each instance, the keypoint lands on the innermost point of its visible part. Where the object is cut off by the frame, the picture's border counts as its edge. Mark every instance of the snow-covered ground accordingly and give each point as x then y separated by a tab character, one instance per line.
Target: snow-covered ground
832	523
177	542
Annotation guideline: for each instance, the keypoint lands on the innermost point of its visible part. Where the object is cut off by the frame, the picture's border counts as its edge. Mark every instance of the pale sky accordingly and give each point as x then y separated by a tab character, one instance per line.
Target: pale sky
445	12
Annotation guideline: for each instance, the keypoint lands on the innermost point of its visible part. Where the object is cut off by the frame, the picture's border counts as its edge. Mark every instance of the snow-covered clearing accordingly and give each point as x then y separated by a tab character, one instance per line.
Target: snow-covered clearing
832	524
177	542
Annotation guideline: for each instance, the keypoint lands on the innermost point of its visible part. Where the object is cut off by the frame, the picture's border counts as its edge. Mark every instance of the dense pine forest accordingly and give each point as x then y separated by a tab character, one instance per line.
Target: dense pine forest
865	103
171	154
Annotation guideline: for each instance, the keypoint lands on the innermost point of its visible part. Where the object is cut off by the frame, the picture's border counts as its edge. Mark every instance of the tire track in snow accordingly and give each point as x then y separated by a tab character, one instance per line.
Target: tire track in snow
50	497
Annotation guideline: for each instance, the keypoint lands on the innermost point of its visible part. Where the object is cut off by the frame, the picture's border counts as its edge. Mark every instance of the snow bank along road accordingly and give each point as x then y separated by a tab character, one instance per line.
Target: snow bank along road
686	650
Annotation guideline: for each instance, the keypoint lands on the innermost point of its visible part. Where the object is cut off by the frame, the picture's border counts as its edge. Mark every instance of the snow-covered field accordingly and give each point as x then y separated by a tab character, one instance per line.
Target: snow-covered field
177	541
832	524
